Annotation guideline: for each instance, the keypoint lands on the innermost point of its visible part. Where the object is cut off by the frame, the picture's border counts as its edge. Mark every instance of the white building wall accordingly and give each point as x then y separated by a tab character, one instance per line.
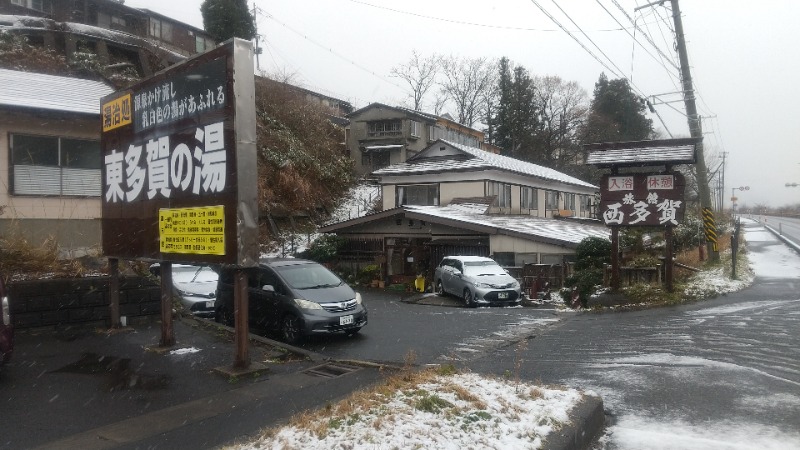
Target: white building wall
449	191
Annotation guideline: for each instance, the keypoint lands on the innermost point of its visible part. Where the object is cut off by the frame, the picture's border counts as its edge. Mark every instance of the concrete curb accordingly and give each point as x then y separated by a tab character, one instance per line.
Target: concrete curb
786	241
587	421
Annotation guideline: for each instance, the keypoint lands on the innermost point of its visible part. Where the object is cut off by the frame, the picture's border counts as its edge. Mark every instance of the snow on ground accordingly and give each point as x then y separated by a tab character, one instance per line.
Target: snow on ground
449	412
618	377
664	434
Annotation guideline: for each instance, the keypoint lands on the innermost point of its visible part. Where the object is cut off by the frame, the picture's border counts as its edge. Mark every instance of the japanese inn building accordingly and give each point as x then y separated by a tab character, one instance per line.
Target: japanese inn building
453	199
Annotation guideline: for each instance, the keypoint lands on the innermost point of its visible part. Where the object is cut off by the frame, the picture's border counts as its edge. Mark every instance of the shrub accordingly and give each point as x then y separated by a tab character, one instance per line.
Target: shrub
592	254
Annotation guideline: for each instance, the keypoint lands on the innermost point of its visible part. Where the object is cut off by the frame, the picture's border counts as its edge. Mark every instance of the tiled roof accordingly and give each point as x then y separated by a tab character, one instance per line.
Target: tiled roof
481	160
50	92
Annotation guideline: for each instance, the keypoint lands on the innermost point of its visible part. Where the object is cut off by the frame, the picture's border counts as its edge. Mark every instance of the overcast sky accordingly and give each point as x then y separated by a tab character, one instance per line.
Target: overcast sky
745	61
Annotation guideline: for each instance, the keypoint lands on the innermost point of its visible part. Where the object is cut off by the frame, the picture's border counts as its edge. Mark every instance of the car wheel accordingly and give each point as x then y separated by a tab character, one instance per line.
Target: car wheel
440	288
224	316
290	329
468	301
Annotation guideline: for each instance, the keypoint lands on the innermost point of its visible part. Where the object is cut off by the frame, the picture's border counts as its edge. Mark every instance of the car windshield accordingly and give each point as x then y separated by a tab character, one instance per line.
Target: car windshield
308	276
482	268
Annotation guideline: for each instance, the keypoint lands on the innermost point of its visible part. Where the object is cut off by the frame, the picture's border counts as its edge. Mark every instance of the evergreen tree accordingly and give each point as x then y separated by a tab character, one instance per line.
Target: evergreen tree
616	113
516	119
224	19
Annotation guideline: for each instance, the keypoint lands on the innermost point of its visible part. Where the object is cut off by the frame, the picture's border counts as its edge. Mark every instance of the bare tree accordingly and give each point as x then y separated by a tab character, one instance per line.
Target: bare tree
563	107
467	82
420	74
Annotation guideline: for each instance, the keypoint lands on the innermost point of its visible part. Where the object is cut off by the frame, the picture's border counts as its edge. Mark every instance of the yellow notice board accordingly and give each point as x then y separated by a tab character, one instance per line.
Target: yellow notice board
117	113
199	231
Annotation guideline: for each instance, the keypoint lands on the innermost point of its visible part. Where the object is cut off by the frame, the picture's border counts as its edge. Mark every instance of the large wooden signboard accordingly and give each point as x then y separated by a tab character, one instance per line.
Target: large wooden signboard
179	163
642	199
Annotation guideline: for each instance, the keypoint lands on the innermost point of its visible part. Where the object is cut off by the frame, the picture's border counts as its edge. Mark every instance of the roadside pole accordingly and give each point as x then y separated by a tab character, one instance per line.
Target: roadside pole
696	131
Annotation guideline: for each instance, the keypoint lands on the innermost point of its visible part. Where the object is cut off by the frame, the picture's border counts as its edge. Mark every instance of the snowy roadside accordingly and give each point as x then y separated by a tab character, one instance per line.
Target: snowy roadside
432	409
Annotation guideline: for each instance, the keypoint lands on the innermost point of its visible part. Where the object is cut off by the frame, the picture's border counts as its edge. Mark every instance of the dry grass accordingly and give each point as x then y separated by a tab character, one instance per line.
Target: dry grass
319	422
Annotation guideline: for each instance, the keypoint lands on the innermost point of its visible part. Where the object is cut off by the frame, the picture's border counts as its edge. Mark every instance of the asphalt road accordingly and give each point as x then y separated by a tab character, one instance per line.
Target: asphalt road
787	227
723	373
400	332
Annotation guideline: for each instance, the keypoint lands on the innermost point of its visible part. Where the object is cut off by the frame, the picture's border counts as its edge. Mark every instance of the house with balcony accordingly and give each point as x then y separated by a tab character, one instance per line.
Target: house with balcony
50	180
380	135
454	199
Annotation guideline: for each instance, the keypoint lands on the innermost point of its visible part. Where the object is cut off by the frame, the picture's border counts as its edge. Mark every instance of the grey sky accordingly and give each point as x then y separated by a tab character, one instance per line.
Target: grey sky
745	61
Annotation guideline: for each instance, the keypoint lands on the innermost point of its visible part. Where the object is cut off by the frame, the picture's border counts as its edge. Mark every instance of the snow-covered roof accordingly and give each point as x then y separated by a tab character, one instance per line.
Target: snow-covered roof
479	160
51	92
472	216
554	231
32	23
643	153
420	114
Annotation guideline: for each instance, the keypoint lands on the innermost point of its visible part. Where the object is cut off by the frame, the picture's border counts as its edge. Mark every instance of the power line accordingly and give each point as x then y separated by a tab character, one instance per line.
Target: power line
587	36
646	36
459	22
618	75
575	39
331	51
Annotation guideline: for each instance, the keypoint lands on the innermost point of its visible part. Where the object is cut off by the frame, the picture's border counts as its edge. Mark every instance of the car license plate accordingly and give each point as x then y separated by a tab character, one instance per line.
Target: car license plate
210	304
346	320
502	295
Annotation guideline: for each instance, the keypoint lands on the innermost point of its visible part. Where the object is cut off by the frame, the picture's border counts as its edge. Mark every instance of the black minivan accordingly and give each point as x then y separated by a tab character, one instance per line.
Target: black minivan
294	298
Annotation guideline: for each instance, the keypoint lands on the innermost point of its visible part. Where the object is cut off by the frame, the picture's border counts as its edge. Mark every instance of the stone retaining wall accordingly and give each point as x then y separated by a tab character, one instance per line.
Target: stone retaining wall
84	301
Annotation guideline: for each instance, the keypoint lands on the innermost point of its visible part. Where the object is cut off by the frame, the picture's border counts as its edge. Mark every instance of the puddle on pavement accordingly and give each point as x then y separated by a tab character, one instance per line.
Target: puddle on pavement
118	372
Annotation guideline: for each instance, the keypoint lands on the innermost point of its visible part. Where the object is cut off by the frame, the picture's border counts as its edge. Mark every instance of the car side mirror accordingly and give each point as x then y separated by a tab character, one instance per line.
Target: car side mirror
457	272
268	288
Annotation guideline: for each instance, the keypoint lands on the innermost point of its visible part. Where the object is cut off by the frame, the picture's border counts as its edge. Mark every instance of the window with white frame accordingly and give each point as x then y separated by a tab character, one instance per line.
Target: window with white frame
529	198
380	128
155	28
49	165
585	203
569	202
166	31
551	200
418	194
503	193
415	128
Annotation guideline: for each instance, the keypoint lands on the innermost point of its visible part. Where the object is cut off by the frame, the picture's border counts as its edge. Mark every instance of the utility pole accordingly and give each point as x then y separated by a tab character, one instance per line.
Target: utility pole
696	131
257	50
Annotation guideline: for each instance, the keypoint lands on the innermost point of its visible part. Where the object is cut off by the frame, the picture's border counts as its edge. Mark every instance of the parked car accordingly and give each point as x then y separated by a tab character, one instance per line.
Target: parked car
294	298
196	286
6	327
477	280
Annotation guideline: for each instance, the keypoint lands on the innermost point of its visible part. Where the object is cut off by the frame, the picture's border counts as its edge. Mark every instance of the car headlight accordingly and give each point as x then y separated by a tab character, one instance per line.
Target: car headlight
358	298
305	304
515	284
483	285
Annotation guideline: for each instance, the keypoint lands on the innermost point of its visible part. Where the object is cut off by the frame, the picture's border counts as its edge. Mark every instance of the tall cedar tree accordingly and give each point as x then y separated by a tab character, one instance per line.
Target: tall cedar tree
516	119
616	114
224	19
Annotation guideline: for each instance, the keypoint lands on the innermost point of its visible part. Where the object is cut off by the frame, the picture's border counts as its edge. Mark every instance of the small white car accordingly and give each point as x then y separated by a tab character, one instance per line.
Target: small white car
477	280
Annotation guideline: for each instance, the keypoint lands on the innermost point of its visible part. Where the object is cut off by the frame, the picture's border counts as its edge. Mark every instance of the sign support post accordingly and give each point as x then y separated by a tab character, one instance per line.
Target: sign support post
167	331
241	331
113	288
